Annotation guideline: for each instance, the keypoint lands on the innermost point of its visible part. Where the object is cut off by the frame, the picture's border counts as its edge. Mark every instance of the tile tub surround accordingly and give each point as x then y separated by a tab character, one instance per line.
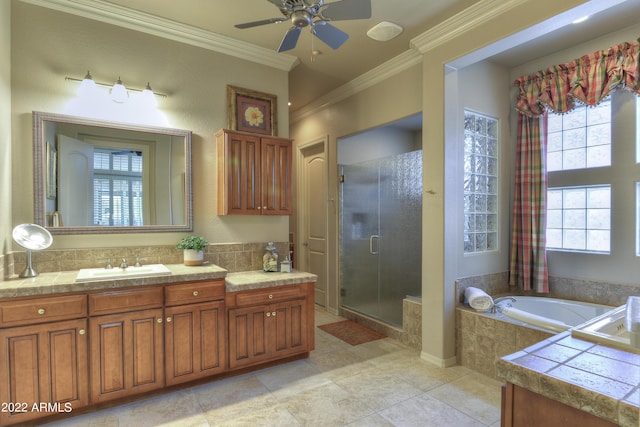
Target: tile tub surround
570	288
230	256
597	379
481	339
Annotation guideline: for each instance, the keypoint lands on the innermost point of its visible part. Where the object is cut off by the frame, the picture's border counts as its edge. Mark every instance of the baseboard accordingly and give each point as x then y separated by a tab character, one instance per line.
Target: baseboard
442	363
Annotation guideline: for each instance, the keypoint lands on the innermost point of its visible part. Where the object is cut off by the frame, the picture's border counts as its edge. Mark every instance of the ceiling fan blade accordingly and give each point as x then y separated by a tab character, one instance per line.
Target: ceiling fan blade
347	9
258	23
290	39
333	37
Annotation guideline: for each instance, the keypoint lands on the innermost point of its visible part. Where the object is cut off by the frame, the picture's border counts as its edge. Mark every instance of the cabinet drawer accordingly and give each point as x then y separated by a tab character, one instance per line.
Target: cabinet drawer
188	293
265	296
38	310
124	300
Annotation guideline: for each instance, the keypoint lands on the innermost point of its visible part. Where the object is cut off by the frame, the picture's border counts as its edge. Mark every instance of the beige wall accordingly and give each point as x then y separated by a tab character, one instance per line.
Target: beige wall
49	45
377	106
397	97
5	127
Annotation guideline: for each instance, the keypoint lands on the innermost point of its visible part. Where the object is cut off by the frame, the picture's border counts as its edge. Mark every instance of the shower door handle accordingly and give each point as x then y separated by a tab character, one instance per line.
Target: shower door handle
371	250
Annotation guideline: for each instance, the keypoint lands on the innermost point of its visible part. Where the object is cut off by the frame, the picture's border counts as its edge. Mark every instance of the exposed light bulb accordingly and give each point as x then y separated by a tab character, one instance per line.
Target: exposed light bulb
87	87
119	92
148	96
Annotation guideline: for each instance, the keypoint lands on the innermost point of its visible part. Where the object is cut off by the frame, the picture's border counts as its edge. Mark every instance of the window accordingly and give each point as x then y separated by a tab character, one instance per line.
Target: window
117	187
579	216
580	138
480	183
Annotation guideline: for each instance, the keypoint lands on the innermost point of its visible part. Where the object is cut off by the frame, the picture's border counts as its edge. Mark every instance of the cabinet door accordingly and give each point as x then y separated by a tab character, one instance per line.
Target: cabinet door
275	161
195	341
289	321
43	365
126	354
239	164
249	336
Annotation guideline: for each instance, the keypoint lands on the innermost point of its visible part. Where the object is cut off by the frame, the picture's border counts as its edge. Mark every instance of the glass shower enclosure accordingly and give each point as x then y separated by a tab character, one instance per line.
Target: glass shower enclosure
381	232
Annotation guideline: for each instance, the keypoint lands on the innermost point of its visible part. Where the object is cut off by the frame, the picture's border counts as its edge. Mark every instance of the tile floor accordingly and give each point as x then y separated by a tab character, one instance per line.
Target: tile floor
380	383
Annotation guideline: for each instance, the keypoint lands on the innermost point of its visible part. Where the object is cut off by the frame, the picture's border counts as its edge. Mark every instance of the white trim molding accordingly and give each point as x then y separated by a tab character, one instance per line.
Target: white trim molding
110	13
372	77
473	16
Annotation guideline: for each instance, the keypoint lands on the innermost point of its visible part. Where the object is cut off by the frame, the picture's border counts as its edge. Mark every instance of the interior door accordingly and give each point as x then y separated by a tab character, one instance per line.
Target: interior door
75	181
314	218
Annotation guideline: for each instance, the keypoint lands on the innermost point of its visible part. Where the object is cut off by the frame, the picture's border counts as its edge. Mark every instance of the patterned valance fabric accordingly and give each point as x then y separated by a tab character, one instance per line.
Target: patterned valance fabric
588	80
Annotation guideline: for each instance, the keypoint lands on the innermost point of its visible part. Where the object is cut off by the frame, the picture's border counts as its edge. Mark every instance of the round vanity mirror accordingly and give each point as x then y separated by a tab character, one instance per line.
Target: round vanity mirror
32	237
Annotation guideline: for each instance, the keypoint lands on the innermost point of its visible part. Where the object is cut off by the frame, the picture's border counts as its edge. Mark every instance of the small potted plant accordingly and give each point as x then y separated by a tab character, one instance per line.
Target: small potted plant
193	247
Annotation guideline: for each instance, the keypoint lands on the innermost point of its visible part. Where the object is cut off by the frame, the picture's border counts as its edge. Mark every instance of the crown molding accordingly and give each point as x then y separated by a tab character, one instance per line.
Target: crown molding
473	16
372	77
458	24
110	13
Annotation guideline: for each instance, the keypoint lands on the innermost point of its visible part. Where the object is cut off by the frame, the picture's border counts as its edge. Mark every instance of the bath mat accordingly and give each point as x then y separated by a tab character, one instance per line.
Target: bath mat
351	332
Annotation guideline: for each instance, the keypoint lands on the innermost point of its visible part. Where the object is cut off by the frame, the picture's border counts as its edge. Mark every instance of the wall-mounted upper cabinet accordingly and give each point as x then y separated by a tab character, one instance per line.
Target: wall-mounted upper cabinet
254	174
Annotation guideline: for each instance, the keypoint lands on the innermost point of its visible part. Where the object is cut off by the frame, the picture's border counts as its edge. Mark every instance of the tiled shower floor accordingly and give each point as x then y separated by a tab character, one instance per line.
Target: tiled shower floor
380	383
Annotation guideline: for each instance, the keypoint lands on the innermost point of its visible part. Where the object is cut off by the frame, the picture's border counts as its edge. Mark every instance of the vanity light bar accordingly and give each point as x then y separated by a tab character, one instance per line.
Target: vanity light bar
110	86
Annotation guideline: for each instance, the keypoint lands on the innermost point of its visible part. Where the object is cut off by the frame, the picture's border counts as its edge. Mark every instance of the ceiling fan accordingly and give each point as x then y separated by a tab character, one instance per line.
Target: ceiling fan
316	14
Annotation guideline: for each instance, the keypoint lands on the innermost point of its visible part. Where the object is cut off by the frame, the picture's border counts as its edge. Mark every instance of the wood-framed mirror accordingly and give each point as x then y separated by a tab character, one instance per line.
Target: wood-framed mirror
94	177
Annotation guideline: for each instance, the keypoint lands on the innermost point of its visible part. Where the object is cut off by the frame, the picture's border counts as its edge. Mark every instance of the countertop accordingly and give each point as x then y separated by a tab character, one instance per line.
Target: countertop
600	380
65	281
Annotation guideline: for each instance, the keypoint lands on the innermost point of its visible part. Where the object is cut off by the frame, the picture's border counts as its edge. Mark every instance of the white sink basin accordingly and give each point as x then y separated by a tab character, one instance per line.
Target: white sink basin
608	330
90	274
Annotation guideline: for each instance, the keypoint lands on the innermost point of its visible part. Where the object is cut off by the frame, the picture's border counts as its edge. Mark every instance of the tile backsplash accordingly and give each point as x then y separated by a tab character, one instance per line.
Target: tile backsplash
230	256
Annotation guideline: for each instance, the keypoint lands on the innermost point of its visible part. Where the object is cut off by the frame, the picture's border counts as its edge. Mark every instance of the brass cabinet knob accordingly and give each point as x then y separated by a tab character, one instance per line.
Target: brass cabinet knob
196	293
82	331
41	311
273	314
270	296
168	319
159	320
268	314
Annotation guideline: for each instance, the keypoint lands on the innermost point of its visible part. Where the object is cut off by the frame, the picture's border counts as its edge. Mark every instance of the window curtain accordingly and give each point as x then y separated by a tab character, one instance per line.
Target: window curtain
587	80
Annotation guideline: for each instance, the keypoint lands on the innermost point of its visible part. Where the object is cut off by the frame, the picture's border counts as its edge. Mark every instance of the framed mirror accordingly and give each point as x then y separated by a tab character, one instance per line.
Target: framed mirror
103	177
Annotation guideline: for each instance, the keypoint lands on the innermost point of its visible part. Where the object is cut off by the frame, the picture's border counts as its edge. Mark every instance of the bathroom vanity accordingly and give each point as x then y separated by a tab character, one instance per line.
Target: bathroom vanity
67	346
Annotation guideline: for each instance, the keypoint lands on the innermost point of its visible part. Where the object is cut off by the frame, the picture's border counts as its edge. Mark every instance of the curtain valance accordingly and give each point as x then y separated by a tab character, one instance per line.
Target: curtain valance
588	80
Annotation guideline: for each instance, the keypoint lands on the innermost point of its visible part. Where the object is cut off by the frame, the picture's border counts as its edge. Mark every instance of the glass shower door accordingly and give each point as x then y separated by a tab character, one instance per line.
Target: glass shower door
381	232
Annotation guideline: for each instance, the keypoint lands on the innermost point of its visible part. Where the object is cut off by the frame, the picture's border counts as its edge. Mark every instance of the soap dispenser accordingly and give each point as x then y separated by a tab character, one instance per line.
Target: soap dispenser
270	258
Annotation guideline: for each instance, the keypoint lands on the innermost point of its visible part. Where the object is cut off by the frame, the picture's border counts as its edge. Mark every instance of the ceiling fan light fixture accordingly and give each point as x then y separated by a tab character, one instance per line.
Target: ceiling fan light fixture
384	31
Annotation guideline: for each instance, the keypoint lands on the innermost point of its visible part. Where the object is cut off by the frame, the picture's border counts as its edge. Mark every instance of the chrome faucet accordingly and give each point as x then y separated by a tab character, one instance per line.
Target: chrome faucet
497	300
124	264
497	307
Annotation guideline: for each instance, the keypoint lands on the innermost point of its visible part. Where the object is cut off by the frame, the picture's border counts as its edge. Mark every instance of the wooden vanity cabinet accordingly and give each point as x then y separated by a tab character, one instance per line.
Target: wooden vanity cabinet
194	330
43	357
254	174
269	324
523	408
126	342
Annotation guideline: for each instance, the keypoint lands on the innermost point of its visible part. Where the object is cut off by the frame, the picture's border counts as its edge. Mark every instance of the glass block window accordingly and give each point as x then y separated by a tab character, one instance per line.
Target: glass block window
579	218
580	138
480	183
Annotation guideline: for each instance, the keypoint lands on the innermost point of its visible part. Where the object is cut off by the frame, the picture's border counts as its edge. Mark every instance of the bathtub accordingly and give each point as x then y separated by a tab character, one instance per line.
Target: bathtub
553	314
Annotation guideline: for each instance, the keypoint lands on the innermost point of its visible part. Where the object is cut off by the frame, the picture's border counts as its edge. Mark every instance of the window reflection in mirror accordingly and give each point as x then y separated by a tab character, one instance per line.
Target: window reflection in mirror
97	177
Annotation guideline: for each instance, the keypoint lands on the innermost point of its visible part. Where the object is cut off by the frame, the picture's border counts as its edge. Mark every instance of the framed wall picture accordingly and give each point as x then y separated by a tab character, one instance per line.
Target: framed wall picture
252	111
52	171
